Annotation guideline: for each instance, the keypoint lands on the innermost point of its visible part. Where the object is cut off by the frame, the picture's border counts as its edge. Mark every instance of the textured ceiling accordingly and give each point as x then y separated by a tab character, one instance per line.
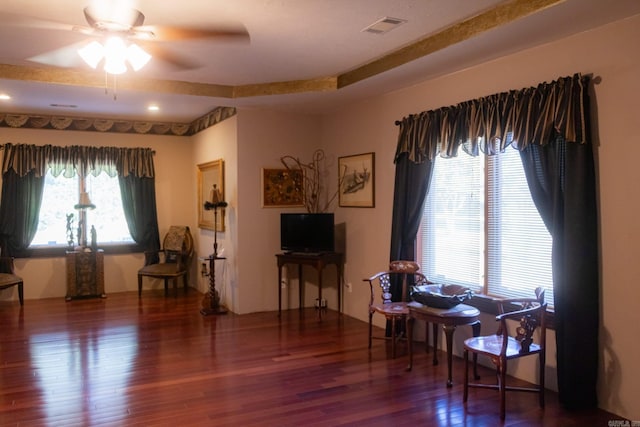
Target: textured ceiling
308	55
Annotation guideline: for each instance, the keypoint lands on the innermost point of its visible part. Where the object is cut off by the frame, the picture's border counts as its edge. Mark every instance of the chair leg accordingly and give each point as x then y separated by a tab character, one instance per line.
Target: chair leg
409	326
393	337
541	382
139	286
370	327
502	368
465	393
166	286
21	293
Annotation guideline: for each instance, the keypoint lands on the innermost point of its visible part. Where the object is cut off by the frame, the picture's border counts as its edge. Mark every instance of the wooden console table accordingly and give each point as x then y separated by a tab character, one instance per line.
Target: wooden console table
319	262
85	274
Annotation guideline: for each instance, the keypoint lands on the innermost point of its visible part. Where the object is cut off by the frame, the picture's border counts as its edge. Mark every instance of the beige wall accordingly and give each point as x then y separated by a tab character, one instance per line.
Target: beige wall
611	54
175	198
258	138
263	138
219	142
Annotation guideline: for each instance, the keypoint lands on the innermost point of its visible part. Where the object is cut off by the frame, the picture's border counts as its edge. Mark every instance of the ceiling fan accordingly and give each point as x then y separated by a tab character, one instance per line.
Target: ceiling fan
125	27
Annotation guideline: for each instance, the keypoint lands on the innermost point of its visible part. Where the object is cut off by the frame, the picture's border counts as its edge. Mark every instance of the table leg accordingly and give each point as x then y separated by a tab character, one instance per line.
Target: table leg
448	332
339	285
320	286
279	290
300	288
435	343
409	325
475	327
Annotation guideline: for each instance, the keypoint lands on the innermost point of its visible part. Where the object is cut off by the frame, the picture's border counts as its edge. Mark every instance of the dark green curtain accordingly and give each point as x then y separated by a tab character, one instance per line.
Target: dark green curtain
562	179
549	125
411	188
25	166
139	203
19	210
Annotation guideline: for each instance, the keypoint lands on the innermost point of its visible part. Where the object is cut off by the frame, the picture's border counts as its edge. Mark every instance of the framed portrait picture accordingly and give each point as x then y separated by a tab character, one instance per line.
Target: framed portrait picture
210	174
357	180
282	188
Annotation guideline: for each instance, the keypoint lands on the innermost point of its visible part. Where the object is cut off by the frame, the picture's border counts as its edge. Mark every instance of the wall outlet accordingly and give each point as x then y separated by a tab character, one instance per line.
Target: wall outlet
349	287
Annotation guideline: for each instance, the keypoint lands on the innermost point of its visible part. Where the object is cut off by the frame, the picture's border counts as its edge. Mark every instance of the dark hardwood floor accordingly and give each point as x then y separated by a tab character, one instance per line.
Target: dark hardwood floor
156	361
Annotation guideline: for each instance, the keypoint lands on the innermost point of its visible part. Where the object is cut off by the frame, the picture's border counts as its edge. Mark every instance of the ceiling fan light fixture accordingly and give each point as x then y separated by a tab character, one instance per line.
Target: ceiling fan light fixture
137	56
115	54
92	53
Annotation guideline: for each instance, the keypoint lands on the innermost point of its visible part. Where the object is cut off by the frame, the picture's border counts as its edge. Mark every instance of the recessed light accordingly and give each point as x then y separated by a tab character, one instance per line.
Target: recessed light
153	107
4	97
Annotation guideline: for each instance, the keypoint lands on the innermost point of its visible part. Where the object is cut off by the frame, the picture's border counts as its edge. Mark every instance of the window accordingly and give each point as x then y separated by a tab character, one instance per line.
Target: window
58	200
480	227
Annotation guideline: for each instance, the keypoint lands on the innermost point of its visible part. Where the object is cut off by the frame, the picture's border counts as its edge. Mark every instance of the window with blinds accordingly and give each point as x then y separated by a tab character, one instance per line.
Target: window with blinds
480	228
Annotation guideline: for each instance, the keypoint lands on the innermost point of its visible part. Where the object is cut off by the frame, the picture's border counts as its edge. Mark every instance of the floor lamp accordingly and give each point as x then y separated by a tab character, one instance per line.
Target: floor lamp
211	301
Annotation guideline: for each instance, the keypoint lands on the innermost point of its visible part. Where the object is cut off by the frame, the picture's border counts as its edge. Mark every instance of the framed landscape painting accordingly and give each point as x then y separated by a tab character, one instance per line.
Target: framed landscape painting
357	180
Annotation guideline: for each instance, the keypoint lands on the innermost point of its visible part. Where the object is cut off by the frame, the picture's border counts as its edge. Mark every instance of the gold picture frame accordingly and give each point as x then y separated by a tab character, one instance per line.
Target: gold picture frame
210	174
282	188
357	181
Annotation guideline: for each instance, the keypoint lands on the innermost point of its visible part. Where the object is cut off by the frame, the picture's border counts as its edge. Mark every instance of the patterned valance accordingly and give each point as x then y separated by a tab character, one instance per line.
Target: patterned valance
86	124
531	115
75	159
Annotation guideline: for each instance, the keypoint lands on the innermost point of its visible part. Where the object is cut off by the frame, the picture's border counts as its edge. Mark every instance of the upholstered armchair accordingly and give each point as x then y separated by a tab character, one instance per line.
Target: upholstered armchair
8	277
174	259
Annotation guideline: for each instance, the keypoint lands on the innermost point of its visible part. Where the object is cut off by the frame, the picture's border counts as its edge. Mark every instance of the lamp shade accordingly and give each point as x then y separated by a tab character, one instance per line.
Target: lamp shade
92	53
84	202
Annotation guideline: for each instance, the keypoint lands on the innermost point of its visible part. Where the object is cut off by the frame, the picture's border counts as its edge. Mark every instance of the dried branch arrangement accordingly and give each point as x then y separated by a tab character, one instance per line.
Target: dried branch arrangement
316	197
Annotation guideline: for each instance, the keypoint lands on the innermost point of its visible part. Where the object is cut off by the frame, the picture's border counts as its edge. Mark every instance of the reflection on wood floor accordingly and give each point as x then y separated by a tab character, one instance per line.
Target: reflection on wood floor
156	361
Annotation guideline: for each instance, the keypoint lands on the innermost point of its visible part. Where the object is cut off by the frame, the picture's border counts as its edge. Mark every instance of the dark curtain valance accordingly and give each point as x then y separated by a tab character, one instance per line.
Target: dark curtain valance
75	159
534	116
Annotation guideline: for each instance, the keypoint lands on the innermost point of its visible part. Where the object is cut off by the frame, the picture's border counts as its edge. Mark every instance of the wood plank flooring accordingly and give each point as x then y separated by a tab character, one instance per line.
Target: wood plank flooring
155	361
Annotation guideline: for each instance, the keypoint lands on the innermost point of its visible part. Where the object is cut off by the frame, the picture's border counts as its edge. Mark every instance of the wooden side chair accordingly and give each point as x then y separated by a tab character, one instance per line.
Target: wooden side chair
529	315
8	278
394	311
175	259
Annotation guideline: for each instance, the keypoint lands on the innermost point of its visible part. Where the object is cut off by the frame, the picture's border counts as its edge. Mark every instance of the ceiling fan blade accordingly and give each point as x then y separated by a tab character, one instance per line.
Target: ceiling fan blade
65	57
177	61
165	33
15	20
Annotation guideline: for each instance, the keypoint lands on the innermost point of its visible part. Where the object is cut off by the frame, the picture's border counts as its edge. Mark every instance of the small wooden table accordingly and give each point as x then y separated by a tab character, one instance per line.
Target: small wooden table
318	261
461	314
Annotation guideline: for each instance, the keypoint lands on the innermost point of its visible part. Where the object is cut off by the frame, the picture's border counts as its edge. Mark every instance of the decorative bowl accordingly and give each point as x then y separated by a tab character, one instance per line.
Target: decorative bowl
440	295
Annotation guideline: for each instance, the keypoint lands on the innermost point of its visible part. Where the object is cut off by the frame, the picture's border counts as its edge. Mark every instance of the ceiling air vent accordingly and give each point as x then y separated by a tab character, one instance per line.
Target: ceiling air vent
384	25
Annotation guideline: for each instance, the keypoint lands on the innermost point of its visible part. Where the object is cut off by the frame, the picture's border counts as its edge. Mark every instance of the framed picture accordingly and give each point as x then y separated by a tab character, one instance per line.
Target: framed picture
282	188
210	174
357	180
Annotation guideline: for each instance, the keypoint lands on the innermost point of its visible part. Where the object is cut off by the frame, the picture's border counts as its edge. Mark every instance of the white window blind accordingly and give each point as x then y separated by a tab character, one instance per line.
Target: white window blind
480	228
518	243
452	230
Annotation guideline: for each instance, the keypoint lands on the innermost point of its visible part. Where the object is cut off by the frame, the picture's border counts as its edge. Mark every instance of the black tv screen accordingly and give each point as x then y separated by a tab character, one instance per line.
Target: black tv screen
306	232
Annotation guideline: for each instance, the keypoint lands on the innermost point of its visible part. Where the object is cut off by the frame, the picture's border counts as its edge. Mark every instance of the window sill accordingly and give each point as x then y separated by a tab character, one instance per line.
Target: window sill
60	251
486	304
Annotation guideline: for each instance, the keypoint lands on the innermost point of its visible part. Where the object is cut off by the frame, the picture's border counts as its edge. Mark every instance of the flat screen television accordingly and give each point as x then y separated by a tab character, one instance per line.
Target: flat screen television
307	232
